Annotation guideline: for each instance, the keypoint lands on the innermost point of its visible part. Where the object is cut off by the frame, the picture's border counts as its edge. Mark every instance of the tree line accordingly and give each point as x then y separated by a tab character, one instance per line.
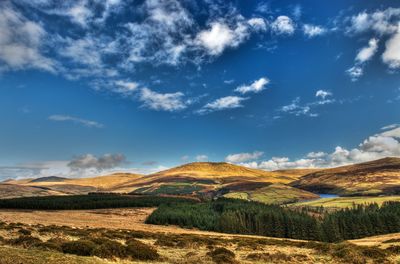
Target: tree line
92	201
243	217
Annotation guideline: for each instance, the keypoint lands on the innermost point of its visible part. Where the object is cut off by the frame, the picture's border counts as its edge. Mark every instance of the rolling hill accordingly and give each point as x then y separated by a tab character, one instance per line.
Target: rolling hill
204	179
214	179
376	177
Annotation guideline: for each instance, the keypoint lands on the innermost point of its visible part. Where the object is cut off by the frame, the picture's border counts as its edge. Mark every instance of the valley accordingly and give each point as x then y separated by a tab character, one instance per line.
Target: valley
206	212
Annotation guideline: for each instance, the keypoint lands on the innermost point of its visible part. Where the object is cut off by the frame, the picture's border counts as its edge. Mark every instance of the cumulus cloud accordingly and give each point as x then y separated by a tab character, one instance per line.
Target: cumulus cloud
283	25
221	36
323	94
21	41
77	120
243	157
365	54
99	163
167	102
381	145
227	102
257	23
313	30
256	87
391	55
382	23
81	166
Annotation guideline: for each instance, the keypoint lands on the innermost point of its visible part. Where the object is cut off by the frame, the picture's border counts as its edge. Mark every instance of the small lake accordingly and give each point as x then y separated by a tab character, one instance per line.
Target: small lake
327	195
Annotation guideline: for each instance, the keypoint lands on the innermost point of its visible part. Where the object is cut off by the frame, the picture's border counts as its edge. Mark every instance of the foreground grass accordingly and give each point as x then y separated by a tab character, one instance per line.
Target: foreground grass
347	202
181	248
13	255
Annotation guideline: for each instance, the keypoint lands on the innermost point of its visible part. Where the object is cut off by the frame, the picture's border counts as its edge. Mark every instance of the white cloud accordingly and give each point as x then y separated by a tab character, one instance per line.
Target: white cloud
380	22
390	126
79	13
296	109
355	72
21	42
125	87
84	51
77	120
313	30
283	25
255	87
243	157
221	36
323	94
363	55
318	154
381	145
201	157
391	56
166	102
257	23
228	102
366	53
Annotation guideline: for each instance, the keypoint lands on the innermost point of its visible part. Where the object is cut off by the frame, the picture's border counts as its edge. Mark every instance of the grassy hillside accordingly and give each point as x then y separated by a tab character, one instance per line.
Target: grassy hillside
273	194
369	178
63	186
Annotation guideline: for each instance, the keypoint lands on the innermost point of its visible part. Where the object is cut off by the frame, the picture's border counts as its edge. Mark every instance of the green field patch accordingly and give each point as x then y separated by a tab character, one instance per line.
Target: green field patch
273	194
347	202
173	189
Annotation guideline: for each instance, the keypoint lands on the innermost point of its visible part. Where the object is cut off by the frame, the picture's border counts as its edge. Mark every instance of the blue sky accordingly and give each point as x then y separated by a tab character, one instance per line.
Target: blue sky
88	87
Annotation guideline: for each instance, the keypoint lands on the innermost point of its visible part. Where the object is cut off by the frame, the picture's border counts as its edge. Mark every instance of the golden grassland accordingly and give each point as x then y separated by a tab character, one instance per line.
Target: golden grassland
368	178
173	244
203	176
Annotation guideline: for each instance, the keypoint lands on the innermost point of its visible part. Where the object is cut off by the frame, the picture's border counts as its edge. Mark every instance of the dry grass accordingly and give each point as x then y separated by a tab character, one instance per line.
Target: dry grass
368	178
173	245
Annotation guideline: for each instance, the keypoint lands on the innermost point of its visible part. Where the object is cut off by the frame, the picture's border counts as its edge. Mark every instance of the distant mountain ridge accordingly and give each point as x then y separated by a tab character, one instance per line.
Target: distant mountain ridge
210	179
368	178
49	179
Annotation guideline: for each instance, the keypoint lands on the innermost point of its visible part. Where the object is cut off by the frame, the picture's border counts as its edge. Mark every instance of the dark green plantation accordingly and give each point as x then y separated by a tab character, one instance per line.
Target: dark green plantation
91	201
241	217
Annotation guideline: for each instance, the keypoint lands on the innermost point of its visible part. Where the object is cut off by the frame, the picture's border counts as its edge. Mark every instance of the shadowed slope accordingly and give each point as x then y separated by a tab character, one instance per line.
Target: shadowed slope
369	178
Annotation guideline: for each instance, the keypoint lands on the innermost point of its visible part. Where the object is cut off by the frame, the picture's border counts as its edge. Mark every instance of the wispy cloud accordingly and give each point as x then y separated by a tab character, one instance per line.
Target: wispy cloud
202	157
244	157
255	87
21	42
77	120
167	102
223	103
298	109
